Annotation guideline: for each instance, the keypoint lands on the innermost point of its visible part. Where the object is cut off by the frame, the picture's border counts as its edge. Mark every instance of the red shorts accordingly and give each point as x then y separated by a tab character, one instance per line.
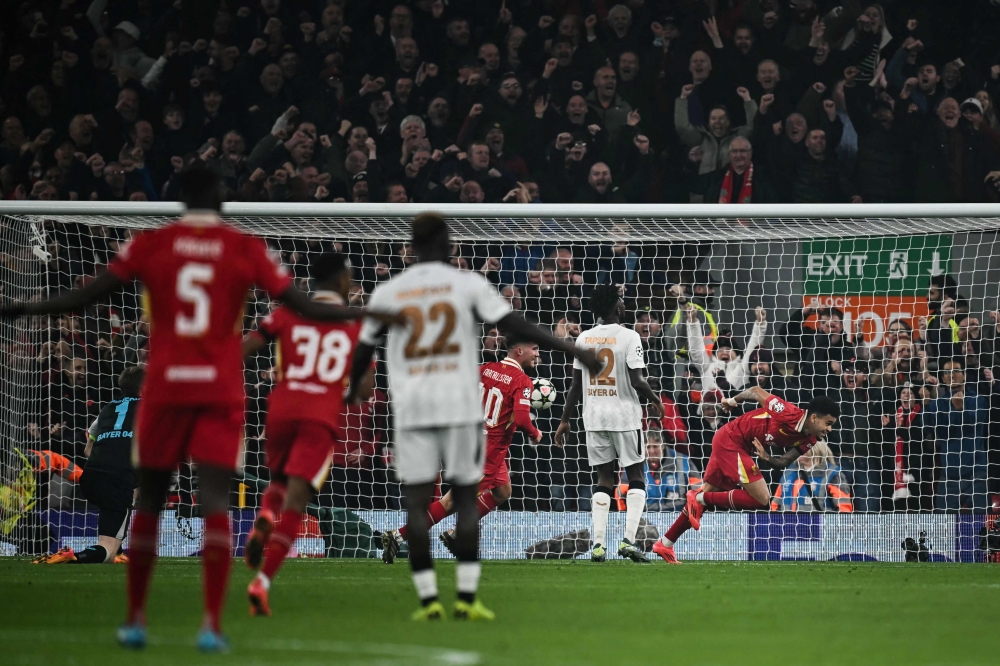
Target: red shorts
495	472
168	435
729	466
302	449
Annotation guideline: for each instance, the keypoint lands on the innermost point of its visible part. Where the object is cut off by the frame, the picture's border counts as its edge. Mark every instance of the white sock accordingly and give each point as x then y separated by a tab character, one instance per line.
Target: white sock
264	581
666	542
467	577
600	506
635	502
701	498
426	583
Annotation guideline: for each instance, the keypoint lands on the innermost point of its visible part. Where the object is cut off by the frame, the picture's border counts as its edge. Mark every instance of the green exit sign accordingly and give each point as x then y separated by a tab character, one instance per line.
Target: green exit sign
884	266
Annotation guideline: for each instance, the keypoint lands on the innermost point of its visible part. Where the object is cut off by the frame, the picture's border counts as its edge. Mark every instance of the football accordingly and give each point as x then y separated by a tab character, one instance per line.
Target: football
543	394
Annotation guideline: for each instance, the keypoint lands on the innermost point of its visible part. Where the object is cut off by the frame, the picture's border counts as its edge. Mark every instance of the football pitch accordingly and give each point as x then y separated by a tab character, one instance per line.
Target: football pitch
357	612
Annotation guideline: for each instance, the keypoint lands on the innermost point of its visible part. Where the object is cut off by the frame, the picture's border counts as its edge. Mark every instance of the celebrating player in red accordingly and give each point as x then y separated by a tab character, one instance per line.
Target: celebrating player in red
197	272
305	413
732	479
505	392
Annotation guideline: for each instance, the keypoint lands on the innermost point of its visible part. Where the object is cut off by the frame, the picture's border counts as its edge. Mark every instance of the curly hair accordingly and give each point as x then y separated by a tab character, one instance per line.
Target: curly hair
604	300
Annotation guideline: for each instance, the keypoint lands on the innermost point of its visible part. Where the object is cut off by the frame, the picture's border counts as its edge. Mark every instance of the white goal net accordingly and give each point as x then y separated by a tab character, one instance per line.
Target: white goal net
892	313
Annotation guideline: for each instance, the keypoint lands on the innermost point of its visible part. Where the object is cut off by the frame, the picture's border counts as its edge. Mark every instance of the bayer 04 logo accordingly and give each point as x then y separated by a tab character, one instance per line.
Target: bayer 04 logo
543	394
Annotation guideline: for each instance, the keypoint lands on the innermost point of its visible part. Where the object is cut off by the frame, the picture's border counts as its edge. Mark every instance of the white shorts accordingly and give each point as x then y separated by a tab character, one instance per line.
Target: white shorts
626	446
457	450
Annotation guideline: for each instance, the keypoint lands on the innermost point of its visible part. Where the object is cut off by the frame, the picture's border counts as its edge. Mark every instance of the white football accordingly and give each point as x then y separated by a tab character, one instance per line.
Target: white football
543	394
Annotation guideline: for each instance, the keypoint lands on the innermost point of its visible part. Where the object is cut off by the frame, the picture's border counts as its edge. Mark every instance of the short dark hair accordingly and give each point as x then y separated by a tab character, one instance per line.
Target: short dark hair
328	265
428	228
946	284
200	188
824	405
604	300
512	339
130	381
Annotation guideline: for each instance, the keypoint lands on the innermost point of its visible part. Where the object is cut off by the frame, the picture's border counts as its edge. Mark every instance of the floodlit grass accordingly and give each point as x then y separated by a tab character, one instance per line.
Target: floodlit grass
357	612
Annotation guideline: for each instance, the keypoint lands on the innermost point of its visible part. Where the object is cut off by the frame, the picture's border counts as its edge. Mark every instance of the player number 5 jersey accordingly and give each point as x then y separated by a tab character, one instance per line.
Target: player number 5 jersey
609	401
433	363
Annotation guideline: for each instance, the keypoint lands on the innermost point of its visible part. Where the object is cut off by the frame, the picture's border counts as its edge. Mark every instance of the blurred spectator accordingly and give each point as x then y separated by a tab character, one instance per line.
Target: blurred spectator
669	475
814	482
820	349
741	182
726	370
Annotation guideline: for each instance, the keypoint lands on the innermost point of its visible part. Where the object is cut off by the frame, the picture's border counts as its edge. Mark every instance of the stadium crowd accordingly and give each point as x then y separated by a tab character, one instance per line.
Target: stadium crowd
717	101
503	100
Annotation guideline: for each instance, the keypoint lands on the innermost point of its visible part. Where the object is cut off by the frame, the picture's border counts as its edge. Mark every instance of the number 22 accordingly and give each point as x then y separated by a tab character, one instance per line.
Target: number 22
442	345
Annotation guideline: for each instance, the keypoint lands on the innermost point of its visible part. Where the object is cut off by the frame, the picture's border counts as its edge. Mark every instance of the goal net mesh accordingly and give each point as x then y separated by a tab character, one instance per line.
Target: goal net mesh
893	317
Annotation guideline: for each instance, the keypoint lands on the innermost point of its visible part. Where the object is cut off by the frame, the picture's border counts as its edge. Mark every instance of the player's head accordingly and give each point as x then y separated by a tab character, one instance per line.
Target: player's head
523	351
822	412
606	302
130	381
200	189
331	271
430	237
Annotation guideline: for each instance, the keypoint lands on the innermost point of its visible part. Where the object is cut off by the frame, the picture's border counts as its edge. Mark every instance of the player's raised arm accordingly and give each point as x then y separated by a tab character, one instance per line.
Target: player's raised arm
105	284
754	393
252	343
569	409
517	324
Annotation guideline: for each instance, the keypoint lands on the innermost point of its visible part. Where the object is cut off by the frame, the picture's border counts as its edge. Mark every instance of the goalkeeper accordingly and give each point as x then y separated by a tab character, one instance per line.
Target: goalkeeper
108	480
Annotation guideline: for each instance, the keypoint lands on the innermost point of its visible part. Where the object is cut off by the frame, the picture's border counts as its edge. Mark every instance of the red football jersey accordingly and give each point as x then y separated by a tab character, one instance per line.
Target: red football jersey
779	423
505	389
314	366
197	273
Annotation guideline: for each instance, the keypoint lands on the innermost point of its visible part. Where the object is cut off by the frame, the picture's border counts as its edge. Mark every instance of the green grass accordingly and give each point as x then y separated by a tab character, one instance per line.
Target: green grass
356	612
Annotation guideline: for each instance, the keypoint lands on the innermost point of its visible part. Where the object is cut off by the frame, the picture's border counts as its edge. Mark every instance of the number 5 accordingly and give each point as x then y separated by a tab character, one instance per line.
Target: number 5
191	282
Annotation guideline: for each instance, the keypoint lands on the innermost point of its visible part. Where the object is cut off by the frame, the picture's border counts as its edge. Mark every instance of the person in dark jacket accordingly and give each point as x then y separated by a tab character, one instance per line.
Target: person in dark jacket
819	177
881	174
741	181
952	159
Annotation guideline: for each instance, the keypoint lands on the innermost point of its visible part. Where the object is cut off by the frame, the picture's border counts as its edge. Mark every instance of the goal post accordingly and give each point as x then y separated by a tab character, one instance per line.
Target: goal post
845	290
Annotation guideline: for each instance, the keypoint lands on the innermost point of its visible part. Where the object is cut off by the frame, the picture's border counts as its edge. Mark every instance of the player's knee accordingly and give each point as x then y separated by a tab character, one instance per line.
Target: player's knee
502	493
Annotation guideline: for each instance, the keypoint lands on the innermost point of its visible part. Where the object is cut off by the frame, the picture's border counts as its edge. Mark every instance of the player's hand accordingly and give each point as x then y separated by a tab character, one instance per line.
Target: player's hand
656	409
589	359
761	451
537	437
761	315
351	396
559	439
728	405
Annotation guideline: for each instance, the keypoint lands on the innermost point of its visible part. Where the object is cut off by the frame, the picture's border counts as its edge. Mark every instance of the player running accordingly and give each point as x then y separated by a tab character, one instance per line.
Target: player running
108	480
612	417
732	479
505	390
304	415
197	272
433	376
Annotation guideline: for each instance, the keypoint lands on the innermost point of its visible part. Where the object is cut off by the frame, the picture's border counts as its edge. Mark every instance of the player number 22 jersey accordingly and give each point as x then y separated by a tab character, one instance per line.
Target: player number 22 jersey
433	363
609	401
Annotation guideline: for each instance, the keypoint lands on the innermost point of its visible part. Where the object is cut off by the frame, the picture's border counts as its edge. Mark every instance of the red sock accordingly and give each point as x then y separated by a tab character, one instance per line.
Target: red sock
732	499
141	556
274	498
680	526
486	504
435	514
215	563
281	542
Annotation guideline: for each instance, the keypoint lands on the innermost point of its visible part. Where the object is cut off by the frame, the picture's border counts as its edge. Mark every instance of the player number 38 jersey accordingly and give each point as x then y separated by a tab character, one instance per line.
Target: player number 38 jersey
609	401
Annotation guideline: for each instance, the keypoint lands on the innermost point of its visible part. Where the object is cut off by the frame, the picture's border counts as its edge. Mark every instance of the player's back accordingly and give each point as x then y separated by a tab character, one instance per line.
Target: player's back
197	273
504	385
778	423
433	363
609	401
314	364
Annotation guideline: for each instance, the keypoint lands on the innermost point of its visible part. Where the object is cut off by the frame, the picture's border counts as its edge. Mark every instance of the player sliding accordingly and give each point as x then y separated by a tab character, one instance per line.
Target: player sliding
304	415
197	272
612	417
732	479
433	375
505	390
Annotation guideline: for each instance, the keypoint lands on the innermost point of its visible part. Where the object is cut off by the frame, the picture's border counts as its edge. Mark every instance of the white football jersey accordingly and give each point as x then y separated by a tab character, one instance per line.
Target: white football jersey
609	401
433	363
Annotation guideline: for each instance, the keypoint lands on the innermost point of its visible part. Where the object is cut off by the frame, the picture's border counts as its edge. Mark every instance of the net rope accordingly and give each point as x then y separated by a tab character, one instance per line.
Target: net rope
870	273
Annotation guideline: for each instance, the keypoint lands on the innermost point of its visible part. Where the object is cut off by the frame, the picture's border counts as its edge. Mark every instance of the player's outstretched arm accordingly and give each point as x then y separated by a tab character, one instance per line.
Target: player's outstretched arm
517	324
779	462
569	409
360	364
253	343
754	393
297	300
105	284
642	387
